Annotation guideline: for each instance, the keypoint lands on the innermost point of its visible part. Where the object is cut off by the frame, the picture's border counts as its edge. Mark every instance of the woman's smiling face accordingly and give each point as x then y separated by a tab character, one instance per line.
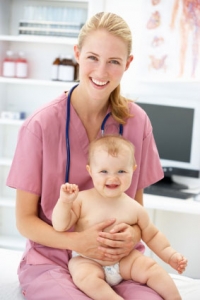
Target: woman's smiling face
102	60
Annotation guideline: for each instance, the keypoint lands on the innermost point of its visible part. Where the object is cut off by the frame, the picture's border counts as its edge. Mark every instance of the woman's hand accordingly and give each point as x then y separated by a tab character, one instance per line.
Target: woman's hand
113	245
86	242
119	241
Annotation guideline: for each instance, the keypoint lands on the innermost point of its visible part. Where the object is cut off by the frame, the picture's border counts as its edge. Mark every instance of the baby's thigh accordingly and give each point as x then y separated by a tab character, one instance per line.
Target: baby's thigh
82	268
134	266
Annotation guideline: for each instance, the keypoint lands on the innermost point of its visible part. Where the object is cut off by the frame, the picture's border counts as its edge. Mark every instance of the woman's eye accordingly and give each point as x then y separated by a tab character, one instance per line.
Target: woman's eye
92	57
114	62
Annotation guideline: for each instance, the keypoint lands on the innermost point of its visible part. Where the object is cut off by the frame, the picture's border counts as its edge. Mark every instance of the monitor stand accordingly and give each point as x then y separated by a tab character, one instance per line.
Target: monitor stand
167	182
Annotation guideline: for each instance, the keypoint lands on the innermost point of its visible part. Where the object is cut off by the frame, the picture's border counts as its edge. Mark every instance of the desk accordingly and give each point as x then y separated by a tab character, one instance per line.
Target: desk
172	204
179	220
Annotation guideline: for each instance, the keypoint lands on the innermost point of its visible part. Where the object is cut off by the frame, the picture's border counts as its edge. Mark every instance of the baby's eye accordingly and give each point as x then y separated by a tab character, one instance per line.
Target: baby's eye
103	171
121	171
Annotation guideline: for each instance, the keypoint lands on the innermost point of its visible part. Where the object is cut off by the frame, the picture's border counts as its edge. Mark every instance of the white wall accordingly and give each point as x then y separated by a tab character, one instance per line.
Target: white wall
136	14
132	12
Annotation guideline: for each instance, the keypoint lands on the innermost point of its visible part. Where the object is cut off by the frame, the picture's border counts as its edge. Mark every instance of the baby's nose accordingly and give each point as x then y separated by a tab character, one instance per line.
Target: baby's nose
113	178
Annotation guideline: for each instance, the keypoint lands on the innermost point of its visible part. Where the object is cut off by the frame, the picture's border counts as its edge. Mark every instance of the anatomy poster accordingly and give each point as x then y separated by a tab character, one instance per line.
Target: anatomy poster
171	40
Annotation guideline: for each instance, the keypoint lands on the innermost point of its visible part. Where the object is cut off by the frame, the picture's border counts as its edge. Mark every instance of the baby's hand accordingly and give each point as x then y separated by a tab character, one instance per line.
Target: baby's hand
68	192
178	262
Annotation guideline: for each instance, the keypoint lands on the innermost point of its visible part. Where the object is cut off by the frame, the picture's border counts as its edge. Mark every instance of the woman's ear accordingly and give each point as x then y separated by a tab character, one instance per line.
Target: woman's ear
129	60
76	53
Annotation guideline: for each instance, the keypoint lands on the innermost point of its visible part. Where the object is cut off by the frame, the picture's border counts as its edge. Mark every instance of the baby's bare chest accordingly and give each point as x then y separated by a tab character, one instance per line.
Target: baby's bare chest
94	213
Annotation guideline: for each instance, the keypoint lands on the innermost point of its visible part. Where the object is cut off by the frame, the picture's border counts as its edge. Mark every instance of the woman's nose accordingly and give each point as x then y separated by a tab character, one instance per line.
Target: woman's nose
102	69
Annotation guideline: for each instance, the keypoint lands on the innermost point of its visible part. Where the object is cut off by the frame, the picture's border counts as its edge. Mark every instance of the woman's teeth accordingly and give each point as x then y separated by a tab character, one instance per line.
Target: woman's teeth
99	82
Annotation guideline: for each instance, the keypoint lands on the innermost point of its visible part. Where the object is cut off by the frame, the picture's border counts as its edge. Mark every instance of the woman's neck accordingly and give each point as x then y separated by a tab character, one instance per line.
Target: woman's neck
88	109
90	113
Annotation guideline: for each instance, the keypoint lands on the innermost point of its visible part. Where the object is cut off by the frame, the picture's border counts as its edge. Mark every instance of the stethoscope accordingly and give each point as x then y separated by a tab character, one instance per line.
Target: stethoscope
67	131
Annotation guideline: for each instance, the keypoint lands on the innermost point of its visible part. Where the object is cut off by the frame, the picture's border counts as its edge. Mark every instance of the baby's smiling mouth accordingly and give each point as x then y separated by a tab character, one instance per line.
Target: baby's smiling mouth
112	186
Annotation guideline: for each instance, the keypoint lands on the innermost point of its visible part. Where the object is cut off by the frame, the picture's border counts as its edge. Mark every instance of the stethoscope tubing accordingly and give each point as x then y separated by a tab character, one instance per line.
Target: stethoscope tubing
67	131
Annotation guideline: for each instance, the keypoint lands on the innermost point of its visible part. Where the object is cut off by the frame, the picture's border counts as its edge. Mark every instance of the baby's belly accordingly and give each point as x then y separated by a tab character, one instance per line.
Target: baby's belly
106	263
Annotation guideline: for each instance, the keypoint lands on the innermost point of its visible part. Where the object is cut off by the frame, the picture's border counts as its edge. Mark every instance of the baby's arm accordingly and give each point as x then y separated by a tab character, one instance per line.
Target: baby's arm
178	262
63	216
158	242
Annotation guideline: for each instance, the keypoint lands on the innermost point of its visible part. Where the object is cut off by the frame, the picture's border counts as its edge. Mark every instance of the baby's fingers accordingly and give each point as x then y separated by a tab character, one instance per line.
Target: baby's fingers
70	188
182	265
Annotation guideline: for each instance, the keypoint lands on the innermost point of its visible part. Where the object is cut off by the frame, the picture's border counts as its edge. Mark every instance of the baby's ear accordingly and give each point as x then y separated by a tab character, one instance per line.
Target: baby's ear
88	169
134	167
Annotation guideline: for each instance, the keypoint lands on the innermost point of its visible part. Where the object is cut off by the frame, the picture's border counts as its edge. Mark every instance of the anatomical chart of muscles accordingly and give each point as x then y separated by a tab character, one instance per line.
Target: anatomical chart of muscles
170	47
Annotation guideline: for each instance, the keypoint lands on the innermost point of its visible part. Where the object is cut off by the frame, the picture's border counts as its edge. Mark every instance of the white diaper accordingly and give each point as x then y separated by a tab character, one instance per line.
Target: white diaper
111	272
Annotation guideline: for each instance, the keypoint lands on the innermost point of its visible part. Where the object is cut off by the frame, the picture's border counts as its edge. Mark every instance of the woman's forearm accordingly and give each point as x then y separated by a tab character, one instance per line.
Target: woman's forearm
40	232
84	242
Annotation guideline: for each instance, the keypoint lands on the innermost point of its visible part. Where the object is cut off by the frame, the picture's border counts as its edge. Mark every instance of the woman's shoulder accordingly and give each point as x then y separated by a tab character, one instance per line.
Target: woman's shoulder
48	111
47	118
136	109
139	116
139	123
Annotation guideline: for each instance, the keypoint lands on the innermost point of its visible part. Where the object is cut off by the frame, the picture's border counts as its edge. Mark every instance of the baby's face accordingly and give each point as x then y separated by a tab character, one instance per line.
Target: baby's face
111	175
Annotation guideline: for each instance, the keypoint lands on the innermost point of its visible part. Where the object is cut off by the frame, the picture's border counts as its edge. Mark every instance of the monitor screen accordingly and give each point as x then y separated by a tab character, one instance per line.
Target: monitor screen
174	130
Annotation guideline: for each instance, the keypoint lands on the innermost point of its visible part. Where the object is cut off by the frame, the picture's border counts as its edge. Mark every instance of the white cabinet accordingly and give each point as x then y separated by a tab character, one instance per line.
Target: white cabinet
27	94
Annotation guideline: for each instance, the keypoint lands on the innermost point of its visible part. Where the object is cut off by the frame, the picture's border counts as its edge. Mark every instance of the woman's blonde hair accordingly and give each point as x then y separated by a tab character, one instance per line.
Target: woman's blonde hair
115	25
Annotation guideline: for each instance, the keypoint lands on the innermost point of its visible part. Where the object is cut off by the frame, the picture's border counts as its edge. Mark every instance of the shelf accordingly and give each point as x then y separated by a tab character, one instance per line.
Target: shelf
10	242
37	82
7	202
39	39
168	80
11	122
188	206
5	162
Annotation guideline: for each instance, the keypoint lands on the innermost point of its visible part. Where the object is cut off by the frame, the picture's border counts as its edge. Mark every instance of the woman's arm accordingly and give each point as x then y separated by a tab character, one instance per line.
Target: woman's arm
35	229
139	197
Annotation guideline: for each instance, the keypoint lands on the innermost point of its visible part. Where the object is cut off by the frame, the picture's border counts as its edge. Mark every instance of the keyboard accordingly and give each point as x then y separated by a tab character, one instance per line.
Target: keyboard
167	192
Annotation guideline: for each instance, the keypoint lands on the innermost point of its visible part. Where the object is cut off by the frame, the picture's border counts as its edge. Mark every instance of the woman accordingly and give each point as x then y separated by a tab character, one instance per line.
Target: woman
39	165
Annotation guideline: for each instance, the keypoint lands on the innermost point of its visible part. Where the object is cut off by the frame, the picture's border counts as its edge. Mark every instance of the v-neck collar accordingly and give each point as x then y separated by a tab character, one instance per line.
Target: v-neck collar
81	132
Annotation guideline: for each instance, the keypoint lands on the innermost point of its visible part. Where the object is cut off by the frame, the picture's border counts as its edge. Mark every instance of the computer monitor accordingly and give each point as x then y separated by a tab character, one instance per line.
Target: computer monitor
176	128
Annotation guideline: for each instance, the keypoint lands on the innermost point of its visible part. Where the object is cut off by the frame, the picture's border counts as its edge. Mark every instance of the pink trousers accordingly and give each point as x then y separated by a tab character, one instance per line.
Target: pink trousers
47	277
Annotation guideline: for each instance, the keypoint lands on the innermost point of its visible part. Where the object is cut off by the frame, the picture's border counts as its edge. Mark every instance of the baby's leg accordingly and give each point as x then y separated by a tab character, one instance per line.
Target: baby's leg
145	270
89	277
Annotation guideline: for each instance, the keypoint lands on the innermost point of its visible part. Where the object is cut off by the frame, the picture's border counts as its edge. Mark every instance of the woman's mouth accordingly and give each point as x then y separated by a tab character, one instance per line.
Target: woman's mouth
99	83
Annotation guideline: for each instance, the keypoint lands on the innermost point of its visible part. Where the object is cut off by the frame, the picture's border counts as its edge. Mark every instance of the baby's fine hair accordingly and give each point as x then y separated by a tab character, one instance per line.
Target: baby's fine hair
113	145
116	26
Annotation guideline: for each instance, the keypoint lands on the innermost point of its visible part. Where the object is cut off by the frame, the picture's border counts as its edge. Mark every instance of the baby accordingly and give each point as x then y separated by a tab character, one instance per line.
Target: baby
111	166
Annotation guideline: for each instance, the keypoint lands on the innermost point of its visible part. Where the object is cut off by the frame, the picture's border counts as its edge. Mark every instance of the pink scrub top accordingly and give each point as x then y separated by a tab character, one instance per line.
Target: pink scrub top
39	163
